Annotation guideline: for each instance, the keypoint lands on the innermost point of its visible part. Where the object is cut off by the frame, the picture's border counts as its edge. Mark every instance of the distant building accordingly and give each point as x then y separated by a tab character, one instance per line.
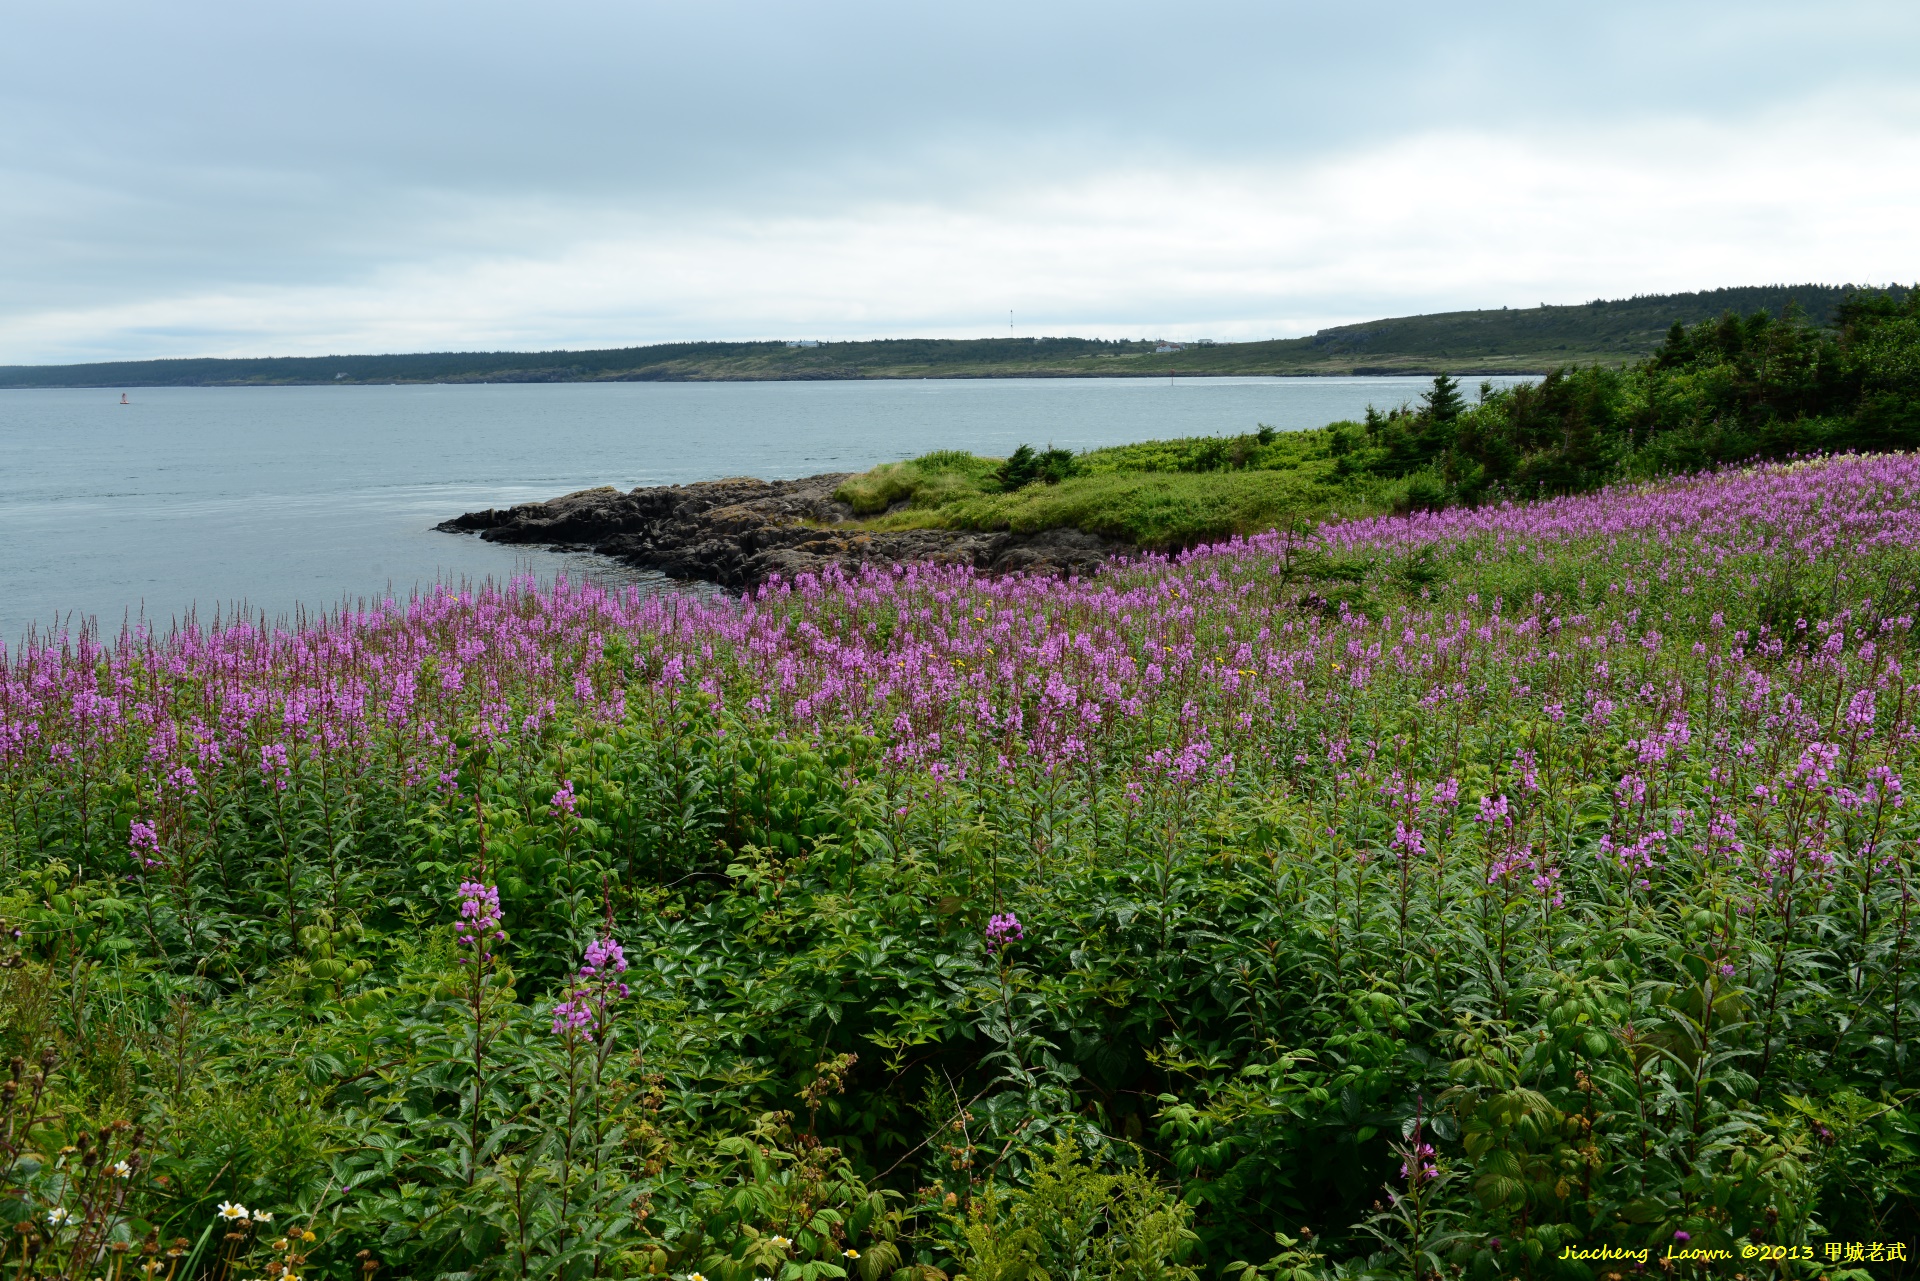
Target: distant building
1164	345
804	342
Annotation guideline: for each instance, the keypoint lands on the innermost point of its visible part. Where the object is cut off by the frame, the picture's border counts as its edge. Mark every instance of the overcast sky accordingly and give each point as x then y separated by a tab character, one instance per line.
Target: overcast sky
214	178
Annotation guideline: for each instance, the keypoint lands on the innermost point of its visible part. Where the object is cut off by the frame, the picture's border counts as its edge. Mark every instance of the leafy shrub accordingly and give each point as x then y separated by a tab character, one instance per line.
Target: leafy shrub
1073	1220
1026	467
1425	492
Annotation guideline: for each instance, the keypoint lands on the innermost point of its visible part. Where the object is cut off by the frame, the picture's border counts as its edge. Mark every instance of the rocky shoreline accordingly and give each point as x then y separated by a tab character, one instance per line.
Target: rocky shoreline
739	532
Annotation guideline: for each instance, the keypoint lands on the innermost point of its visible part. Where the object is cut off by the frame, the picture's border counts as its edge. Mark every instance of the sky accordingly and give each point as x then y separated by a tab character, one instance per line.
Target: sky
226	179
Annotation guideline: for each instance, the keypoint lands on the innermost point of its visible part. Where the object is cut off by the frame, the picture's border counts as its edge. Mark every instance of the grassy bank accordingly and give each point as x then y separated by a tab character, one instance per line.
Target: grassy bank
1158	495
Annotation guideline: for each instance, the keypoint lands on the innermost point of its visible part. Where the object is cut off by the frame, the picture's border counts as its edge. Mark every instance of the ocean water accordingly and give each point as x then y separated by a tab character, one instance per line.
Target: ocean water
271	499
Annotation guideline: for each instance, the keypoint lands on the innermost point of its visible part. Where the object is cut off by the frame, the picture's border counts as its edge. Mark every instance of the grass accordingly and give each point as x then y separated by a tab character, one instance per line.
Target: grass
1165	510
1157	494
925	483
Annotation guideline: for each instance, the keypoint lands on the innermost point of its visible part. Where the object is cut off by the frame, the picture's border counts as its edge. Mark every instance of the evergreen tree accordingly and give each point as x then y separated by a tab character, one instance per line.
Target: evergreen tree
1444	402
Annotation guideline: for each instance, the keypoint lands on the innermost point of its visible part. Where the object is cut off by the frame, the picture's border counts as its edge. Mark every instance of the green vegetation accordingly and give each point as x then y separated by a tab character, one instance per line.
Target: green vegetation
1726	390
1601	331
1027	466
1723	391
1167	510
1528	340
929	481
1156	494
1419	901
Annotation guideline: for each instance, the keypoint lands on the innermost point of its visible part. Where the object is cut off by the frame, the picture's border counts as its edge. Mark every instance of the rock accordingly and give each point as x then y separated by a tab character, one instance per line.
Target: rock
738	532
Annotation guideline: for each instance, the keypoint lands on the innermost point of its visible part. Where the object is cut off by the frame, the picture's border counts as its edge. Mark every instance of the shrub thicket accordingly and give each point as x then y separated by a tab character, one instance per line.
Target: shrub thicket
1724	391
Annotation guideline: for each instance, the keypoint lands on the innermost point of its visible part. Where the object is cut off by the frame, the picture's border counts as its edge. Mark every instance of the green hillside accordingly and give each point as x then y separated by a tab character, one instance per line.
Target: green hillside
1609	330
1518	340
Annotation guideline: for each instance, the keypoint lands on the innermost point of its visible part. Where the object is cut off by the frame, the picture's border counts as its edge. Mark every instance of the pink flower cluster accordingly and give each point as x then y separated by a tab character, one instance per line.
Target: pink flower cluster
144	843
1422	1167
1003	929
585	1009
477	928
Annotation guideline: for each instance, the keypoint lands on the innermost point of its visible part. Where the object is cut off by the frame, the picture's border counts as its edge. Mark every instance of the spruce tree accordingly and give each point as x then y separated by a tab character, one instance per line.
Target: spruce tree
1444	402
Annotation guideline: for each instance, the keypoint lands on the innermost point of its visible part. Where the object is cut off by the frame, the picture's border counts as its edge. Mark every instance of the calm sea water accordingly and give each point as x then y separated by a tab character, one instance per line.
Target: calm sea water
268	499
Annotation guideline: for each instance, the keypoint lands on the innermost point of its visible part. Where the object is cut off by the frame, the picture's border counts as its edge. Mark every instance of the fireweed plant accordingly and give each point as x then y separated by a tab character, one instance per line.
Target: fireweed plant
1421	894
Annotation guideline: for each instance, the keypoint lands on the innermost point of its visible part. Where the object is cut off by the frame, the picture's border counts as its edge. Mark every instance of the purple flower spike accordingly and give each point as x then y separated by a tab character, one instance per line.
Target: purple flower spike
1683	1236
604	954
479	921
573	1016
1423	1166
587	1007
144	843
1003	929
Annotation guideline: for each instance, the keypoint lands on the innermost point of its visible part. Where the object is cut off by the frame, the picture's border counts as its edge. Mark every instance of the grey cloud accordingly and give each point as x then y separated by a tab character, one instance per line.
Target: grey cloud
152	149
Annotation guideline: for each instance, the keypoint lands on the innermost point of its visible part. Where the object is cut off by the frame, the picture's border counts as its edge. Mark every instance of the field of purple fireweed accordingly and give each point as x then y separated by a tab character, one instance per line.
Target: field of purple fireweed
1436	892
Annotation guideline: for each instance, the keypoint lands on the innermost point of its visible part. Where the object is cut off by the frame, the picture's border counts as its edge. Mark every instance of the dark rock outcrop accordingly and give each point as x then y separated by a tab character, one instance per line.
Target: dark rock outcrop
739	532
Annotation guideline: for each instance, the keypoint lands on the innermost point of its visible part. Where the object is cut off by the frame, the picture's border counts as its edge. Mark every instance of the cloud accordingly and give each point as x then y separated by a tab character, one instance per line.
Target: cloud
350	178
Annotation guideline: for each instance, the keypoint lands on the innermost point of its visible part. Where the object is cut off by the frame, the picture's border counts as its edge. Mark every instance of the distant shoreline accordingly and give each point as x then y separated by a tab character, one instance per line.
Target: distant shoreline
1423	371
1519	342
